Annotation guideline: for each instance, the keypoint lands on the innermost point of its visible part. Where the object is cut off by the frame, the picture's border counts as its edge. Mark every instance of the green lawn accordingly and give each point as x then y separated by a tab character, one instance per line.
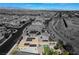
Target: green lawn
48	51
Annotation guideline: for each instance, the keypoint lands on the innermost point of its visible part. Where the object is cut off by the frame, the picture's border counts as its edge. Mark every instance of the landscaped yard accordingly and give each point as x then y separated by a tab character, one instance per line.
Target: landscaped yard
48	51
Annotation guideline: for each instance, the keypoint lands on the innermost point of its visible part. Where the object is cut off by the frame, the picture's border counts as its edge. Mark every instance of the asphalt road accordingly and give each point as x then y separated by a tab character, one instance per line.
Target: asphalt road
10	42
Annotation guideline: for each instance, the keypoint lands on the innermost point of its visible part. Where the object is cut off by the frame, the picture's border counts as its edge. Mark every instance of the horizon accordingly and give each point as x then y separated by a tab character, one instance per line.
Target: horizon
41	6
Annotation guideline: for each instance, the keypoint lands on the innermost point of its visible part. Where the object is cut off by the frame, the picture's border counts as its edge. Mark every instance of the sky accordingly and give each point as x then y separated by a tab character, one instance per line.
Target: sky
42	6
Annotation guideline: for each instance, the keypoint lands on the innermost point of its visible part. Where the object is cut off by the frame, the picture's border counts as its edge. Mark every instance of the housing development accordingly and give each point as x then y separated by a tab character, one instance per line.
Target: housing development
39	32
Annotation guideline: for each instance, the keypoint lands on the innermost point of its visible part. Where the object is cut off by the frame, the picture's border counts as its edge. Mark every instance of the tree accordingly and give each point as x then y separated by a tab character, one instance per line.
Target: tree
65	52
